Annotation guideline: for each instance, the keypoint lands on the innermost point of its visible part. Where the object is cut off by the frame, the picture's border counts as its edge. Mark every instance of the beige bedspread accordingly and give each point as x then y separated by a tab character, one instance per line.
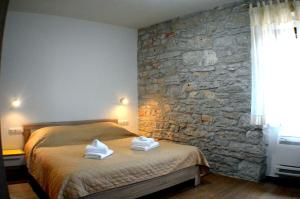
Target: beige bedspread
62	171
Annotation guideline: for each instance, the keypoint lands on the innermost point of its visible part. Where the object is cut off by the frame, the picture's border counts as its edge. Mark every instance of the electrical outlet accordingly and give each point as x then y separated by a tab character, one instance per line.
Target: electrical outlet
15	131
123	122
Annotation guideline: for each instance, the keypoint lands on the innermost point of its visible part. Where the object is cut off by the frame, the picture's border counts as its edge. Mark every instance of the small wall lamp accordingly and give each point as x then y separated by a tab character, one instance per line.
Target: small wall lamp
16	103
124	101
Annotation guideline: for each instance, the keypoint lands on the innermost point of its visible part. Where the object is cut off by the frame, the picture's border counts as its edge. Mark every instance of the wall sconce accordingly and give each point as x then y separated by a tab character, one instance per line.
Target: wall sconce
16	103
124	101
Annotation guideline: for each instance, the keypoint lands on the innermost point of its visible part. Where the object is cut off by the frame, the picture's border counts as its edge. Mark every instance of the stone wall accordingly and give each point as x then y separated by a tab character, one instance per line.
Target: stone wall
194	84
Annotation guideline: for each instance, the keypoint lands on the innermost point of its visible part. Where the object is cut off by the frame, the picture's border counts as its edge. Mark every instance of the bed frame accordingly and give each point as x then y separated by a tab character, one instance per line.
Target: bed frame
125	192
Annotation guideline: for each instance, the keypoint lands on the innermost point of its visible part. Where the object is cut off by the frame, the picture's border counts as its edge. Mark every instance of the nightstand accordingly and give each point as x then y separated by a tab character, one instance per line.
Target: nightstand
15	167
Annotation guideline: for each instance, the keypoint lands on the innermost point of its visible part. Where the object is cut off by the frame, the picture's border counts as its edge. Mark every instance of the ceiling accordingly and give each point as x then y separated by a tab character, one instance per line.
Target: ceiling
129	13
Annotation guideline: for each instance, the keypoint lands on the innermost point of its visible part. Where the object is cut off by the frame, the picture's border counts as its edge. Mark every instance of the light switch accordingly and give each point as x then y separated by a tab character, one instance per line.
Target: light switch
15	131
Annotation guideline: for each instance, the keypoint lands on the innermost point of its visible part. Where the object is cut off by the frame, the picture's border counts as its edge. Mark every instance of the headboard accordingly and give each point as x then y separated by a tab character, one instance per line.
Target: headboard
29	128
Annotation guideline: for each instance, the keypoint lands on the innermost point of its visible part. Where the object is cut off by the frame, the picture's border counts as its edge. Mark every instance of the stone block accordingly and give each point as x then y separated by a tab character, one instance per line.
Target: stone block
168	55
250	170
206	119
200	58
246	147
254	136
244	120
209	94
199	42
237	20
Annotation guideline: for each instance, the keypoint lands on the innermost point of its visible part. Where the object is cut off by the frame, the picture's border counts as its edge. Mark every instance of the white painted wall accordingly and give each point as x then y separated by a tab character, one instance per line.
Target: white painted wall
65	69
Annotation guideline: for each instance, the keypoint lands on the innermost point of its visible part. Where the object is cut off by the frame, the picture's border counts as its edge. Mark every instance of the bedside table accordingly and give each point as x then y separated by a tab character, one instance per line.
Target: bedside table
15	167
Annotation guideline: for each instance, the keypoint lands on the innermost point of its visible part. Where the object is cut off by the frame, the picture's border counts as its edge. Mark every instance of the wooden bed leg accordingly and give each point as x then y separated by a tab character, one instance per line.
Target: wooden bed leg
197	180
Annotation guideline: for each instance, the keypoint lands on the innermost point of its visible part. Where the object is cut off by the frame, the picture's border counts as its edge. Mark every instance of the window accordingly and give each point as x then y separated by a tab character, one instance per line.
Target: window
275	65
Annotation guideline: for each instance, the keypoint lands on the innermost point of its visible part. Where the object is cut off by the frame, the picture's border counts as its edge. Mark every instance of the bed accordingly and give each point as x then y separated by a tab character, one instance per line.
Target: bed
54	158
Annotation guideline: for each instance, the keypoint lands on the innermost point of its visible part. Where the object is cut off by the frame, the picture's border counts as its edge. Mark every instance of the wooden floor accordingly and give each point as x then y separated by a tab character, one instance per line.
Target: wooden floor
213	186
21	191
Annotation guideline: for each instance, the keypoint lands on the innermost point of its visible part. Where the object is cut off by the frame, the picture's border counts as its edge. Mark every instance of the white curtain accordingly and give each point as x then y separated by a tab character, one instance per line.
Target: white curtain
296	15
275	64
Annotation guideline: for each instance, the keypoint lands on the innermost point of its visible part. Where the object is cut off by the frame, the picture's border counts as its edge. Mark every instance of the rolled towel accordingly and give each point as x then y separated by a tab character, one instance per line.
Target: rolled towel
142	144
98	156
142	141
145	148
97	147
98	144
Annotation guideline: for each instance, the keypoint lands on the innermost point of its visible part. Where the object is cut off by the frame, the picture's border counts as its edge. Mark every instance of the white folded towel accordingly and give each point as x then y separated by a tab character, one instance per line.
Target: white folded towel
96	147
145	148
98	156
97	143
97	150
142	141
